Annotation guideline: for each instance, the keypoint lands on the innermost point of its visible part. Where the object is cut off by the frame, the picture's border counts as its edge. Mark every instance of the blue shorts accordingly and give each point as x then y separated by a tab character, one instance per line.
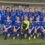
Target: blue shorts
10	31
39	31
18	31
25	31
32	31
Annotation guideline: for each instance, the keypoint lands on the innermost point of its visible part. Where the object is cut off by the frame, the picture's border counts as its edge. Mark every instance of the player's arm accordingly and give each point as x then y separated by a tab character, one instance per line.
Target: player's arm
14	29
38	27
43	30
5	28
29	29
32	28
21	27
18	28
42	27
9	26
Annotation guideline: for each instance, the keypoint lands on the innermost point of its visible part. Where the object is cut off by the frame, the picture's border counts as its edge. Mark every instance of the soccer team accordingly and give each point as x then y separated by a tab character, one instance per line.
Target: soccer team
22	22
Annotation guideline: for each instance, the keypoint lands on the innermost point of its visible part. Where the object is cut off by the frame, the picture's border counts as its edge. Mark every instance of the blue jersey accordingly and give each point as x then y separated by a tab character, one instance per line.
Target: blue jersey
7	13
37	24
43	24
19	13
31	25
13	15
31	14
3	18
3	12
17	24
7	24
0	18
25	13
2	15
0	11
36	14
41	16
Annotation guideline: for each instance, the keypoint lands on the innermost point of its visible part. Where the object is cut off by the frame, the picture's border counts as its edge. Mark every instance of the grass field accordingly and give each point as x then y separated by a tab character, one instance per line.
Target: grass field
21	42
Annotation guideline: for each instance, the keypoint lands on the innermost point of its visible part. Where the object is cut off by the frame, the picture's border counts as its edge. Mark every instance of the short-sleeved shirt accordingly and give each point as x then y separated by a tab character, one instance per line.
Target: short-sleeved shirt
7	24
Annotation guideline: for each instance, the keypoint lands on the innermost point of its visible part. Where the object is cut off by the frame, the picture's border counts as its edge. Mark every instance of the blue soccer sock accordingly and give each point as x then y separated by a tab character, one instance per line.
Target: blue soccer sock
14	34
5	35
42	35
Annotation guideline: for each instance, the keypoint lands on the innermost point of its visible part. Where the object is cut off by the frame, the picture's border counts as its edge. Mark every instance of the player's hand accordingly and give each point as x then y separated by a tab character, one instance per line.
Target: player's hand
14	29
42	27
6	28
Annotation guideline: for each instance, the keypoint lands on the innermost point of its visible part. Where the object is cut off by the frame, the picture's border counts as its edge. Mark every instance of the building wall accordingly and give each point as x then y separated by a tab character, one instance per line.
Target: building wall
31	6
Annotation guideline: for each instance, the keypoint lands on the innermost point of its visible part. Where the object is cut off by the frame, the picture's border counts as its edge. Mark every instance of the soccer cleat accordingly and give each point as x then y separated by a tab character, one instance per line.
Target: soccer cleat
8	35
13	38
